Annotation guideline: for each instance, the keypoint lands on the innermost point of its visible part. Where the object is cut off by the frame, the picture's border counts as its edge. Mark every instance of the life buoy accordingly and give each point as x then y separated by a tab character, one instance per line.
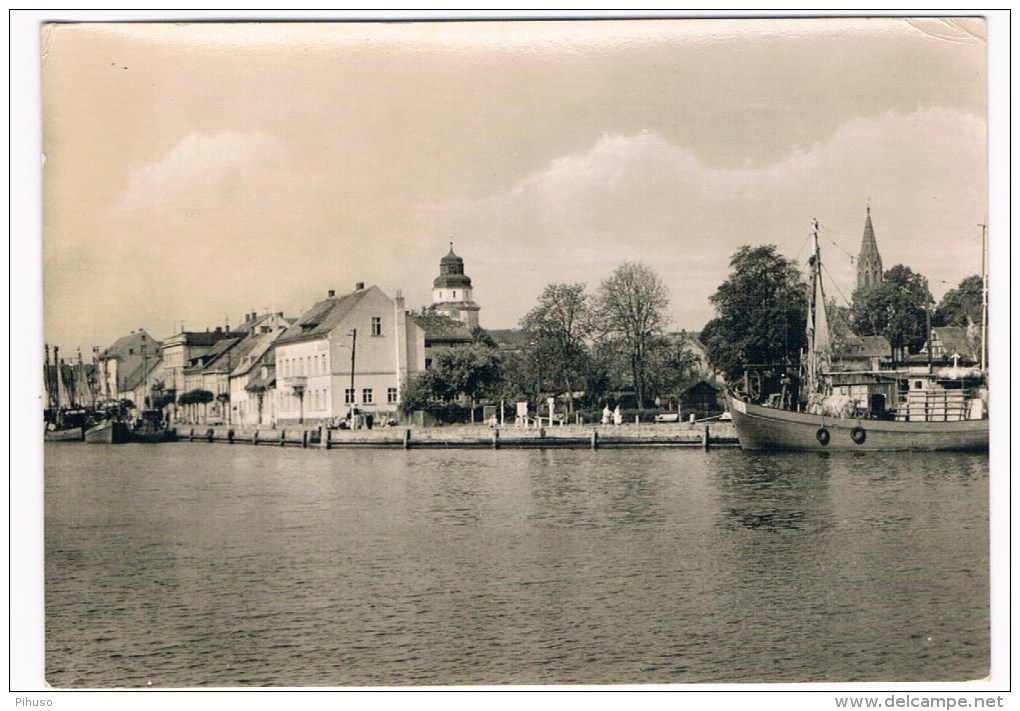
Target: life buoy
858	435
822	435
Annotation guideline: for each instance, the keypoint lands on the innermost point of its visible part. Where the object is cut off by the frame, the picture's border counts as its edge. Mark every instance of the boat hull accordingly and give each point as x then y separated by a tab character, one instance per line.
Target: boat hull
109	432
152	436
70	434
766	428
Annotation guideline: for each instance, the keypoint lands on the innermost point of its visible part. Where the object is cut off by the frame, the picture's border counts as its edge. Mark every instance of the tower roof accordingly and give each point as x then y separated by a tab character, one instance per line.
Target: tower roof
869	247
451	257
451	273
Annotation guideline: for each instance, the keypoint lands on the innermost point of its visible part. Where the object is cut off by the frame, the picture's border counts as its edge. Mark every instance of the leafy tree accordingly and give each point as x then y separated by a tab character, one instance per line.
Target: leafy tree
559	327
895	308
961	306
472	370
671	365
480	335
631	312
761	312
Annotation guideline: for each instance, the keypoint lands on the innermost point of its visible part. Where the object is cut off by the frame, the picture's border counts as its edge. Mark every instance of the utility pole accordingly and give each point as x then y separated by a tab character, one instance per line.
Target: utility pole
354	343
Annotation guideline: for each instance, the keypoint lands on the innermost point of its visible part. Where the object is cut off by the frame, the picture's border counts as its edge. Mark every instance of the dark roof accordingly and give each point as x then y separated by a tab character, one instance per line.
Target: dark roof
700	385
451	272
204	338
865	347
322	318
261	383
954	340
439	328
510	337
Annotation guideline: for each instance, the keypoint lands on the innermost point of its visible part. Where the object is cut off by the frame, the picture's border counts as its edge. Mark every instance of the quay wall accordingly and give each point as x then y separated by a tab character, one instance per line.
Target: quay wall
704	435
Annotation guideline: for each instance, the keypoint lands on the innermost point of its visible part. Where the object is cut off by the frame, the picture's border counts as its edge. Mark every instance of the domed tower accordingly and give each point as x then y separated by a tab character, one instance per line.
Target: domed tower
869	261
451	291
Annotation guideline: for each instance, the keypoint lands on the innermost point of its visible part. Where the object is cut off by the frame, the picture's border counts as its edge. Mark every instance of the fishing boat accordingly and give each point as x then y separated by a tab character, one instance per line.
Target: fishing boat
64	421
149	428
915	408
108	432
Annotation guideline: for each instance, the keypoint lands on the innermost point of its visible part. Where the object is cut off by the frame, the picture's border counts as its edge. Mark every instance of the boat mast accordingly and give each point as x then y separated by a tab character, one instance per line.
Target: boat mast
818	323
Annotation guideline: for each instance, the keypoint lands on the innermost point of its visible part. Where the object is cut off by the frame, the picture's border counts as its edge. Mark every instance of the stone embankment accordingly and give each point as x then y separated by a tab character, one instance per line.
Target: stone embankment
703	435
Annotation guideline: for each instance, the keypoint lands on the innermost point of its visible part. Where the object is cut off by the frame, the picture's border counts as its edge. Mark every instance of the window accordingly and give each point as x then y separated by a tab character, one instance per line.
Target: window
455	294
348	396
324	369
376	325
391	395
366	396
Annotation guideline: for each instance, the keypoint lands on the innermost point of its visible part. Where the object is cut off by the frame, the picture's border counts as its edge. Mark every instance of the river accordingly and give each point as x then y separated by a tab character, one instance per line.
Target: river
215	565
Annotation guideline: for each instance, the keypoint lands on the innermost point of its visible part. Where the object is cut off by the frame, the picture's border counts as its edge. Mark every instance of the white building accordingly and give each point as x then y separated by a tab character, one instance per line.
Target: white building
349	351
252	394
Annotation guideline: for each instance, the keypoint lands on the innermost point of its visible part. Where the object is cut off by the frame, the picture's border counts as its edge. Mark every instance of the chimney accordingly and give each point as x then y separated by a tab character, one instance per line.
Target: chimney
400	300
359	286
331	293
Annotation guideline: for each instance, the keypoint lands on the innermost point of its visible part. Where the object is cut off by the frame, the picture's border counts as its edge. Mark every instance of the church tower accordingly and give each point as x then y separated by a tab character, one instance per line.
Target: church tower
451	291
869	261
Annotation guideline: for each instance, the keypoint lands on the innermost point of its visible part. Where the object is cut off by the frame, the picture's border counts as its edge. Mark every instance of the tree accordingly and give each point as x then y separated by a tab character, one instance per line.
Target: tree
961	306
671	365
559	327
631	311
472	371
895	308
761	312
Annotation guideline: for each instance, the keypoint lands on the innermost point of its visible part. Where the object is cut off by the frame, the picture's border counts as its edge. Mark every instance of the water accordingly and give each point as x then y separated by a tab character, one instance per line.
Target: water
191	565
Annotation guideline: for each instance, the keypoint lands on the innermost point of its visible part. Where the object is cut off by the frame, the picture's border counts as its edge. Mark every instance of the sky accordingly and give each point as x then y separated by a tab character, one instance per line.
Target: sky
196	172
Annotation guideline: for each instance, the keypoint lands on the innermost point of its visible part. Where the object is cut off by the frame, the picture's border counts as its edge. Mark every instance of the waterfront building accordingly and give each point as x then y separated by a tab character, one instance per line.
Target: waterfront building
869	261
130	367
180	349
347	352
452	291
249	384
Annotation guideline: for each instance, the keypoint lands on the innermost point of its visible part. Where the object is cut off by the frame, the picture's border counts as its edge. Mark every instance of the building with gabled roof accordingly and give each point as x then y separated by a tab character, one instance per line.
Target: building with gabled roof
130	367
344	353
949	343
251	384
862	353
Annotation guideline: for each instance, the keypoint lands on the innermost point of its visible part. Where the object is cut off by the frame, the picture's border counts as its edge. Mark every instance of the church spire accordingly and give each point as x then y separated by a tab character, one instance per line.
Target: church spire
869	261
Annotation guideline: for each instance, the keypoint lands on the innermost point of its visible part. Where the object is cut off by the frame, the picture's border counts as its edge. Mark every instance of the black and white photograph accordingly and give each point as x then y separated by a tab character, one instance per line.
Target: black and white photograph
494	353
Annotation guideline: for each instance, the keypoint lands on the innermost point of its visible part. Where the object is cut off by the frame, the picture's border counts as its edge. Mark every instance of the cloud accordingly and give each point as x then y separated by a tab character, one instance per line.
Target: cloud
202	172
641	197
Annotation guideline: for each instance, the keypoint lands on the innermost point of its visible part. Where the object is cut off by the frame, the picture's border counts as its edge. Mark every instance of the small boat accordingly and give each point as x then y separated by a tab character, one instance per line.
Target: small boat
67	434
909	409
150	429
108	432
